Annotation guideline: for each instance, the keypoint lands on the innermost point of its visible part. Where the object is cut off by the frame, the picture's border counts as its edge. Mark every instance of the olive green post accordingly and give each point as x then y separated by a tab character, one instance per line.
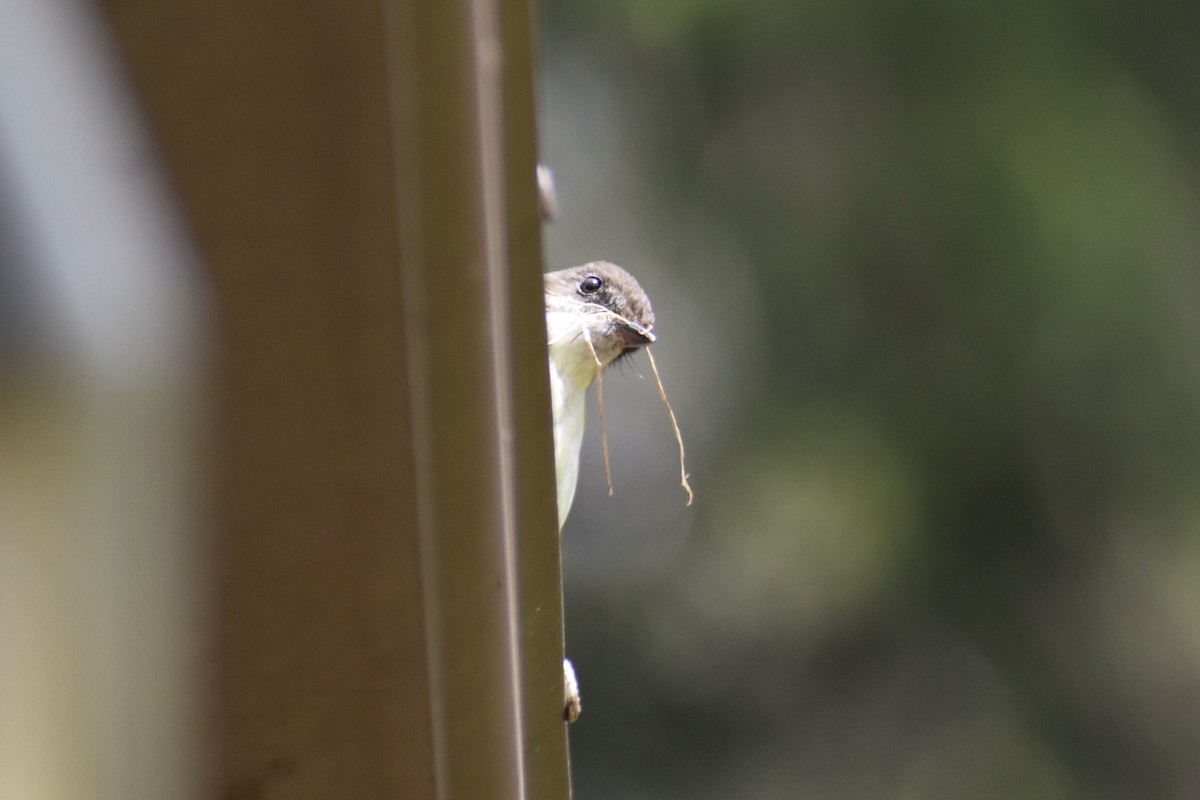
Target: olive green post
450	180
540	562
471	232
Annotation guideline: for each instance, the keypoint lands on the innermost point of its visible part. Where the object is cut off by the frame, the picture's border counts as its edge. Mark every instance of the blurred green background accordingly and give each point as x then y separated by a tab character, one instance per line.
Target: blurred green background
927	286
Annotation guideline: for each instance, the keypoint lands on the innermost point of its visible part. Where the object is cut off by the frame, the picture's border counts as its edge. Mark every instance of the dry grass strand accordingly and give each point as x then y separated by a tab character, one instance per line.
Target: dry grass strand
600	403
683	476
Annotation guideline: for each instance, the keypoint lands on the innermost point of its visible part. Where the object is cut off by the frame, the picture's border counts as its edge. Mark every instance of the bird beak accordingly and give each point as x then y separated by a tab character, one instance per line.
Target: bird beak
633	335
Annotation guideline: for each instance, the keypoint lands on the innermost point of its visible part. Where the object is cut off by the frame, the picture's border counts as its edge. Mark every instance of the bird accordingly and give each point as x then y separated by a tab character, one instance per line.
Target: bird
595	314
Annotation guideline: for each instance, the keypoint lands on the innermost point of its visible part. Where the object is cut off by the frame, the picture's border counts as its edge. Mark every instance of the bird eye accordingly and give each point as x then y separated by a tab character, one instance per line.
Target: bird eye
590	285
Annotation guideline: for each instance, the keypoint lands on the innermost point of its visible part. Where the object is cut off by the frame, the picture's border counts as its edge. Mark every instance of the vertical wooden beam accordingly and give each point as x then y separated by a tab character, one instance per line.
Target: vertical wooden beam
452	231
276	123
540	559
360	176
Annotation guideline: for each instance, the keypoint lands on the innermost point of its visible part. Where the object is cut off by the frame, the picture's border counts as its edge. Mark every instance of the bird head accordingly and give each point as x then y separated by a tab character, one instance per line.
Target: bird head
596	308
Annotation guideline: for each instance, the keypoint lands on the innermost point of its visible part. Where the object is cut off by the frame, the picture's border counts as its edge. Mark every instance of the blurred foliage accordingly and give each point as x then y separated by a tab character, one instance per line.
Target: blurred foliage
940	260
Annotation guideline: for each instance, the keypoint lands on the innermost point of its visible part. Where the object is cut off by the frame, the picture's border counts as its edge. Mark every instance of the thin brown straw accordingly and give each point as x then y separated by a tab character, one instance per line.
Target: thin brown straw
603	424
683	476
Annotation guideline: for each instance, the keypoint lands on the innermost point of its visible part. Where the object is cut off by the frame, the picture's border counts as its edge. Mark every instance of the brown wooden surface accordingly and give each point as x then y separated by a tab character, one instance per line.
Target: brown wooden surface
274	121
347	169
546	750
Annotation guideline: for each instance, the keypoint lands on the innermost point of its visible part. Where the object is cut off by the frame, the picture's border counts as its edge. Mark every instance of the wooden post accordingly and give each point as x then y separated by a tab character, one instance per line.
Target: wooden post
360	177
